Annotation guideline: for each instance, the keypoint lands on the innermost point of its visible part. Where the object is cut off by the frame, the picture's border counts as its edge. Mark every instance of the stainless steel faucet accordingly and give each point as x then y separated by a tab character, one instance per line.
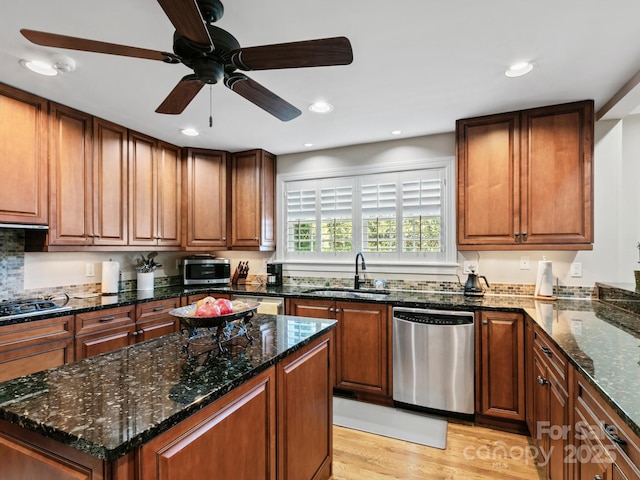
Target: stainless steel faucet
357	282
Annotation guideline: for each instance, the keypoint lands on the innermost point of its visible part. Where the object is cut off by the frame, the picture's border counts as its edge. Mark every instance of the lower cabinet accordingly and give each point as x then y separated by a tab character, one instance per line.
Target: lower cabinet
500	379
363	342
234	437
33	346
109	329
305	413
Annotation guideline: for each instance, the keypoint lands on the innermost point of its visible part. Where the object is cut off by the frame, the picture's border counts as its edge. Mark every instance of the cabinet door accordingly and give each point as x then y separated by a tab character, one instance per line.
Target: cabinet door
23	155
305	419
153	319
557	188
362	361
487	152
169	229
143	193
71	177
304	307
234	437
110	173
33	346
253	200
502	365
206	198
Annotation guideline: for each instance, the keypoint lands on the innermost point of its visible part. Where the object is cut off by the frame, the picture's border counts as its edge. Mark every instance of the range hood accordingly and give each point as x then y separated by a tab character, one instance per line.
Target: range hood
24	226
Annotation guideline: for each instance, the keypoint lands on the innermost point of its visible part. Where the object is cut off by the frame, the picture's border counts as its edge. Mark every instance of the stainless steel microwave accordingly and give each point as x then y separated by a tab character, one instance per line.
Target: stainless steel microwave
205	270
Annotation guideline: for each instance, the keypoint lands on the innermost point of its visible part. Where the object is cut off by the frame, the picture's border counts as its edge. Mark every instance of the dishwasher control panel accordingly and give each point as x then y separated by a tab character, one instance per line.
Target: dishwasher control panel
433	317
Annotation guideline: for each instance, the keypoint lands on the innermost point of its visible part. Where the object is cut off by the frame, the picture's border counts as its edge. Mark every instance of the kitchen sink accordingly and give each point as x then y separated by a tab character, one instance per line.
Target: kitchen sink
349	293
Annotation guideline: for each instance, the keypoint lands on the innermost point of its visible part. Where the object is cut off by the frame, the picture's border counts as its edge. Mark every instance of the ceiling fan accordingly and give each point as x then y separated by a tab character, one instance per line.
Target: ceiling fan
214	55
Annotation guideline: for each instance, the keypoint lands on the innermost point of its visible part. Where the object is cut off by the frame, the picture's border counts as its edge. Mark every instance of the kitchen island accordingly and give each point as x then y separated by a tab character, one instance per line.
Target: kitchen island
168	409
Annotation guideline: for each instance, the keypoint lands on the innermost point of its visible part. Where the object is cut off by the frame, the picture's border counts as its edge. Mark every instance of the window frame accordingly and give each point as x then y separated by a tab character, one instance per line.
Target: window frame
415	263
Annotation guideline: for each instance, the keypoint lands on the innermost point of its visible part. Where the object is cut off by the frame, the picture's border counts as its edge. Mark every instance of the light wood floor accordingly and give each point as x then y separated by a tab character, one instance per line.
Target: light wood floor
472	453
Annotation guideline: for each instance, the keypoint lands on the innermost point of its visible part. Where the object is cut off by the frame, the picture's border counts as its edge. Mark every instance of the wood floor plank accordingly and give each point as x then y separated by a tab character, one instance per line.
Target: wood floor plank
472	453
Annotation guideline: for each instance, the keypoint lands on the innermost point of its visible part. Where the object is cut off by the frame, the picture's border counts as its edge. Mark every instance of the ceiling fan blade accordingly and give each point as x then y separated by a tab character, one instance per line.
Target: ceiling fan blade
260	96
186	17
309	53
180	96
73	43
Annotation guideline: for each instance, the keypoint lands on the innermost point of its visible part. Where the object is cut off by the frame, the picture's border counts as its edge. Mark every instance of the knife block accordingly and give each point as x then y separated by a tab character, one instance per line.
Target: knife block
239	276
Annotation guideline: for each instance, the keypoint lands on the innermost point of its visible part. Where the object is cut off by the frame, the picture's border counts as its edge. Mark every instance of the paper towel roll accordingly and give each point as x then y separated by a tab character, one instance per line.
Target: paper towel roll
110	277
544	281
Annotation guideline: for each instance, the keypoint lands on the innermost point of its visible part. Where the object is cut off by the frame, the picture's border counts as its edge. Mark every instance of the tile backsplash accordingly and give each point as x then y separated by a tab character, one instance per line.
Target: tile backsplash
11	263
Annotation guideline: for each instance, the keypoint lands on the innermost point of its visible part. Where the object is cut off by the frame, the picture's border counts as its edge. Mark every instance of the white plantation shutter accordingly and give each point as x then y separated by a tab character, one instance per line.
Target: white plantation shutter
336	214
378	207
422	212
301	217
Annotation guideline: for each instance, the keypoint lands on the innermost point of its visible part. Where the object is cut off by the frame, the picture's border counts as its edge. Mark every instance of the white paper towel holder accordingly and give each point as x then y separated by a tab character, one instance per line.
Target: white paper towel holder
544	281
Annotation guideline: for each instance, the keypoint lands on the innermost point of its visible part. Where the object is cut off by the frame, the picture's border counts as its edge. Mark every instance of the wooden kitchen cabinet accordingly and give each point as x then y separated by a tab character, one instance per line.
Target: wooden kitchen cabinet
363	351
104	330
235	437
525	179
253	182
24	157
604	444
155	178
305	444
500	378
551	424
206	193
35	345
153	319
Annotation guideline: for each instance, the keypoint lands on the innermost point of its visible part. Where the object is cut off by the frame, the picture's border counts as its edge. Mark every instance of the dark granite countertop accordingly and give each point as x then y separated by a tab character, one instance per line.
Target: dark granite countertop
109	404
600	337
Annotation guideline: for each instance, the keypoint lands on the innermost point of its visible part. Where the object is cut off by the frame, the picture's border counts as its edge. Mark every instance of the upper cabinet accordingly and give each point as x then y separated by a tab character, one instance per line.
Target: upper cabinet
154	192
23	157
206	193
252	191
525	179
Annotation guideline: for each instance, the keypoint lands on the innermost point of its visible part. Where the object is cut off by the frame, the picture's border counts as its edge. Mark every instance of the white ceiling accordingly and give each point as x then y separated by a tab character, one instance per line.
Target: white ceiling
418	64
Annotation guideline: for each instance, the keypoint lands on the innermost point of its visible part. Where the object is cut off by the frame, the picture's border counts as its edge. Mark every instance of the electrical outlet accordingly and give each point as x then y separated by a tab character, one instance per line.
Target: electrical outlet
576	269
177	264
90	270
524	263
470	267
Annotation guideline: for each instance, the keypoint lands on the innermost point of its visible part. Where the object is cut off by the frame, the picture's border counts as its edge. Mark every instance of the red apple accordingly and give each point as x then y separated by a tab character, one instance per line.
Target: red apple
224	305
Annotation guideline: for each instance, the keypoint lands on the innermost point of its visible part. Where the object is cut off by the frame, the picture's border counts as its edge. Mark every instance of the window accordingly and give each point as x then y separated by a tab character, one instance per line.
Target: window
394	217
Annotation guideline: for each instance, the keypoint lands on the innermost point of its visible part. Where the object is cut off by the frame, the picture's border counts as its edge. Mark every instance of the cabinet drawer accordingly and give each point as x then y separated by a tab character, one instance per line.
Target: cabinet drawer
153	310
551	356
617	438
26	334
90	322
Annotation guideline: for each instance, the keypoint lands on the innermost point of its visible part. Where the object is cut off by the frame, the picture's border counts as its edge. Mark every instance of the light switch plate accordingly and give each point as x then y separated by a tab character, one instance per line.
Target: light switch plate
524	263
576	269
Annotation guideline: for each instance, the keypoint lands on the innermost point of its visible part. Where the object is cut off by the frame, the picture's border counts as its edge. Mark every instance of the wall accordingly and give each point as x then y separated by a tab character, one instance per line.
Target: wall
616	230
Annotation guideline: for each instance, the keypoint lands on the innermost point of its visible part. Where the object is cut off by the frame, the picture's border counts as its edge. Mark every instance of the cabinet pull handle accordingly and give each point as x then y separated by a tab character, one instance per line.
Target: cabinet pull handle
107	319
597	477
547	351
158	309
224	238
516	235
331	309
524	235
542	381
611	432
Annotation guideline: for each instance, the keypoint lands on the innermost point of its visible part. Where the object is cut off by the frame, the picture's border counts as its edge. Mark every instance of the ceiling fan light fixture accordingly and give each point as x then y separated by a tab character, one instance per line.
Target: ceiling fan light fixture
518	69
190	132
39	67
321	107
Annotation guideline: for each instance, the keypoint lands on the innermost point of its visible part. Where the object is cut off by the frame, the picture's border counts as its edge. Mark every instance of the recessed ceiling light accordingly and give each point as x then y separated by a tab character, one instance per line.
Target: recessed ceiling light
308	144
190	132
518	69
321	107
396	132
40	67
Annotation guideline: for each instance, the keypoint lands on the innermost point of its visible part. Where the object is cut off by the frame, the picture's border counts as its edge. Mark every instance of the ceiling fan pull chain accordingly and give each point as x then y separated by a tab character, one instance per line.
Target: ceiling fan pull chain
210	106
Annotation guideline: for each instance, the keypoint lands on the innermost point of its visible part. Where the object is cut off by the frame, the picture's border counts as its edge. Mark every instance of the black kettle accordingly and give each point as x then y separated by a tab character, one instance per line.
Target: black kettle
473	288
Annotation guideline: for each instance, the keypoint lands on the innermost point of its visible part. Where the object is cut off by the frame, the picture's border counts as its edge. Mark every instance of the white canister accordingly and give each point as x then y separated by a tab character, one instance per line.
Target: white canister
145	281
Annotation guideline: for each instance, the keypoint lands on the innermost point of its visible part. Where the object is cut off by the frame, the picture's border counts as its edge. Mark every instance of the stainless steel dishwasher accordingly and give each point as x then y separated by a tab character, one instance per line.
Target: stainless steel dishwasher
433	359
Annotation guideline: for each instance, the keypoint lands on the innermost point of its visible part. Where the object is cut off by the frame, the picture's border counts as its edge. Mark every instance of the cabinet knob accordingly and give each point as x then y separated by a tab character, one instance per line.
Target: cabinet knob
516	235
524	235
597	477
224	238
485	322
542	381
